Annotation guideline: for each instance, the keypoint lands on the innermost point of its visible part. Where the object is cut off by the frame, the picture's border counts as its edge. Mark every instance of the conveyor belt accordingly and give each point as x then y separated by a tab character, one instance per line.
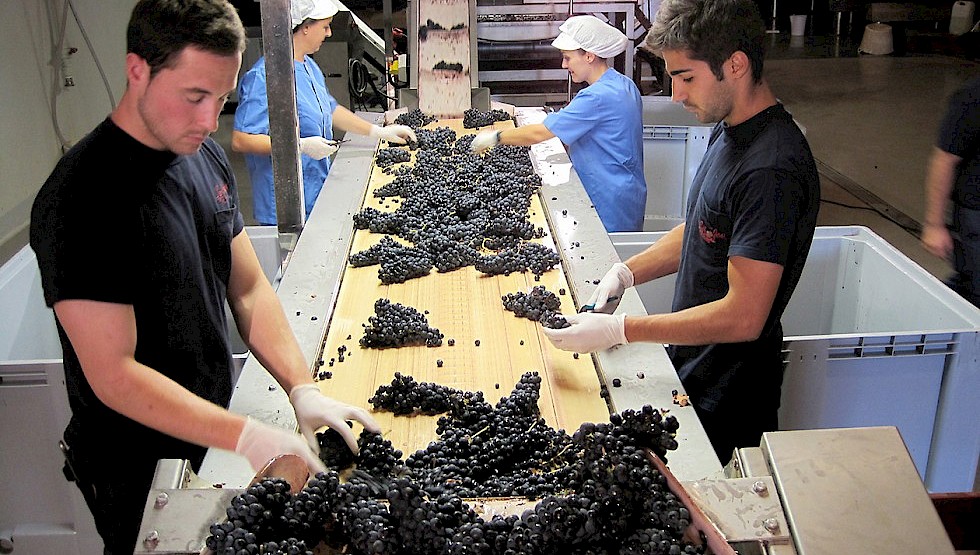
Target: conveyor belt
465	305
310	294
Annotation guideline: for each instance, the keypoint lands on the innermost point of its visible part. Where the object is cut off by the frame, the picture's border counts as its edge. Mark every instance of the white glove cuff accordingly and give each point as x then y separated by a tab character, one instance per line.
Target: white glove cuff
622	329
624	274
301	391
375	131
243	438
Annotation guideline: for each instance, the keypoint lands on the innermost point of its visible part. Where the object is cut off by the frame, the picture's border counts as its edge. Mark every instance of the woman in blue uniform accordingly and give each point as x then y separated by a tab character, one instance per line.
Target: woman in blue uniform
602	127
317	111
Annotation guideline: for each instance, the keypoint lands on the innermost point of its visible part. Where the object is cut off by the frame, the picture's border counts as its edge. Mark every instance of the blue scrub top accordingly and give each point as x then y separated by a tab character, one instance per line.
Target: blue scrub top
314	107
602	128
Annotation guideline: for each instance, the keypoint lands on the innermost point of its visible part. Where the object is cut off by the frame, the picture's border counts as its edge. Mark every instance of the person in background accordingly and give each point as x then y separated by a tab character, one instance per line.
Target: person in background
954	175
750	221
317	111
147	354
602	127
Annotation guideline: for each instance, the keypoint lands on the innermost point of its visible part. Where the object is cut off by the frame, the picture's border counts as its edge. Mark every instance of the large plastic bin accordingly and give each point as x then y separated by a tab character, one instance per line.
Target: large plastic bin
873	339
674	142
40	511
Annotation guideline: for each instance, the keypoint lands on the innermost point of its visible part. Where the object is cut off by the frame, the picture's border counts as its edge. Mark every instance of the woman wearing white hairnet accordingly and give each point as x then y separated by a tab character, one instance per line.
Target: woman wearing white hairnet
317	110
602	127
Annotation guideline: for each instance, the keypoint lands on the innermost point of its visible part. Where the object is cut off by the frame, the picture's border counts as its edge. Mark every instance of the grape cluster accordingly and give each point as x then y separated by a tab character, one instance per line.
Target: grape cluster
598	491
256	522
527	256
398	263
446	66
397	325
334	451
440	140
407	396
456	209
391	156
477	118
540	305
416	119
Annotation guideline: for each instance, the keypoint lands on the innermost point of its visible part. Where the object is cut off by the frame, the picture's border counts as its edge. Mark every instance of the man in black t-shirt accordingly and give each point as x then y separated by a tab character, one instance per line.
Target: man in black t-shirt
954	175
139	240
750	221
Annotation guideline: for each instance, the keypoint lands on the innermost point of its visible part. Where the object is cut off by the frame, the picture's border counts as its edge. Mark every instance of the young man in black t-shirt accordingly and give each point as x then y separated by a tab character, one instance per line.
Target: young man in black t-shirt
750	221
141	318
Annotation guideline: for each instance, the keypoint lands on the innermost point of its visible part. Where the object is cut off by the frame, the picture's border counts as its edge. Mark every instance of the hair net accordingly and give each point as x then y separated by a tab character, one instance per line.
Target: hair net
301	10
592	35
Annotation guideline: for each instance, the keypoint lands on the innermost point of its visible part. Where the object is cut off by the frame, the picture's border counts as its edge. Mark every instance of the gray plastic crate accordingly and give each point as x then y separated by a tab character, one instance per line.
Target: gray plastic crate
674	142
34	411
873	339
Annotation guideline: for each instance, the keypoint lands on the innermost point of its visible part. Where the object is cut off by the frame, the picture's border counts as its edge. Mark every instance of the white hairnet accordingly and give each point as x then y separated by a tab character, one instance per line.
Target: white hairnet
592	35
301	10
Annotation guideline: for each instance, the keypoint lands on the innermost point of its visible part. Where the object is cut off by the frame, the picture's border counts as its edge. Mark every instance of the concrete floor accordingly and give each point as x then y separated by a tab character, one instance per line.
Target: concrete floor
871	122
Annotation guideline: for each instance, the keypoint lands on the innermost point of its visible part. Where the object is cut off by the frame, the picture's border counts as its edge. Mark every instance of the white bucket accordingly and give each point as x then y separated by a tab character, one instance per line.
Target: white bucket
877	39
797	25
961	20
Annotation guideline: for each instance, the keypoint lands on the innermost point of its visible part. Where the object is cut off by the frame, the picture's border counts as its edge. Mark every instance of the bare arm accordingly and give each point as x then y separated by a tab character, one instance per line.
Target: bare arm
525	135
939	184
104	338
248	143
659	259
261	320
738	316
350	122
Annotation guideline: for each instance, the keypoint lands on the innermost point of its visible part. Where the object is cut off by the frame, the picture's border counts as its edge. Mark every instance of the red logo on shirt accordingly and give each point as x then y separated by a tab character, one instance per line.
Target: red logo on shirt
221	194
710	236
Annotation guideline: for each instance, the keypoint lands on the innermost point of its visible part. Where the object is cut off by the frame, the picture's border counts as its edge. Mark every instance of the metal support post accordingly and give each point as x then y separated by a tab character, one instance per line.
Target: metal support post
287	173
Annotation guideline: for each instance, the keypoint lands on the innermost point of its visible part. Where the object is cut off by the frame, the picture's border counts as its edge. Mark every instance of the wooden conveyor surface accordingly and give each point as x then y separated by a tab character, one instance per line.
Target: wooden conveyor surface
464	305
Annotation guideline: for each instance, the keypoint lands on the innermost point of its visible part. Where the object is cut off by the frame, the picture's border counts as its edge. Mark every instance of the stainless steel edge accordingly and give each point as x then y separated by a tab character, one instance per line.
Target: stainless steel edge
587	254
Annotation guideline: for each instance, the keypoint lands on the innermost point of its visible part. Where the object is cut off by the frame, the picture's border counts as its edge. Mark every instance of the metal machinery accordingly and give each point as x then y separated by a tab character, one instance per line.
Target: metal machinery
821	491
512	49
517	61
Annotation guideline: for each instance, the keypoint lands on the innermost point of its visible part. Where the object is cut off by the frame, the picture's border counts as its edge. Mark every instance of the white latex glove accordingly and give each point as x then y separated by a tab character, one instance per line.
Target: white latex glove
260	443
397	134
611	286
589	332
485	140
315	410
317	148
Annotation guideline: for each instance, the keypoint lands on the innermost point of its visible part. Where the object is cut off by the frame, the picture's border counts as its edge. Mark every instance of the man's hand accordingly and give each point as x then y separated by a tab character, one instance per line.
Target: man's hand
485	140
611	286
317	148
397	134
260	443
937	240
589	332
315	410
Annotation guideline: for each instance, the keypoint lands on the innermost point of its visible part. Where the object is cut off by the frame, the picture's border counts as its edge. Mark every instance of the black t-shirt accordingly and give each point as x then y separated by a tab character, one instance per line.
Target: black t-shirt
120	222
959	134
756	195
